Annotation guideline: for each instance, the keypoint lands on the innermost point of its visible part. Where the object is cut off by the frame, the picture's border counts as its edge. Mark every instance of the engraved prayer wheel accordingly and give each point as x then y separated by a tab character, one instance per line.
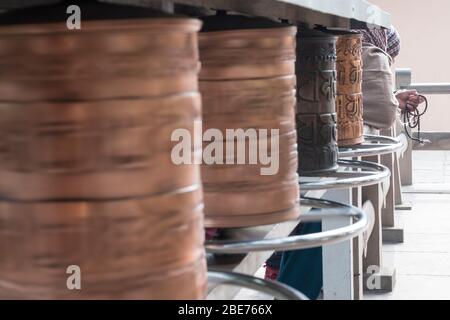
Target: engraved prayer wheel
349	88
86	174
248	83
316	105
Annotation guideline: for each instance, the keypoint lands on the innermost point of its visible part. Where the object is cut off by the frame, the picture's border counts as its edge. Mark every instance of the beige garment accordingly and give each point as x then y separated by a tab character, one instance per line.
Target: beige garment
371	130
379	101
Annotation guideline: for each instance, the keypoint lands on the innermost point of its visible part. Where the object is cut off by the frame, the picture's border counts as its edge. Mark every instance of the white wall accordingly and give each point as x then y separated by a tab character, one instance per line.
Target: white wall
425	30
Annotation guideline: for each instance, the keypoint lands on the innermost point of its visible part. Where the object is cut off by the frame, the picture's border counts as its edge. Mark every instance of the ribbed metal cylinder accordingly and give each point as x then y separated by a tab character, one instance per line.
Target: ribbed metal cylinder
247	81
139	248
86	176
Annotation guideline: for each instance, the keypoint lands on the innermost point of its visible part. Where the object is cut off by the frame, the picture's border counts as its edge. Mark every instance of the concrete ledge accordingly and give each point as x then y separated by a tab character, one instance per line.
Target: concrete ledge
438	141
386	279
393	235
405	206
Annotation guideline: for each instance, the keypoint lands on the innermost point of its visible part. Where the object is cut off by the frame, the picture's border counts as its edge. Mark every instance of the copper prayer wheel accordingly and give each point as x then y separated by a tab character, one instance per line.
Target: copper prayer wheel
247	81
87	178
104	60
87	149
232	48
349	88
316	105
104	90
141	248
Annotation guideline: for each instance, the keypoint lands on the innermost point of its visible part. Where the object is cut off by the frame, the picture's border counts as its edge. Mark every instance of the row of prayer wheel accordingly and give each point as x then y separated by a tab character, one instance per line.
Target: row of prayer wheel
87	176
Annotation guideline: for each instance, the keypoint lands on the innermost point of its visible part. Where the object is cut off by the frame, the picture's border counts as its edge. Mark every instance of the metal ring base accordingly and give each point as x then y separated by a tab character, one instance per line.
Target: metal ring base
372	146
278	290
334	209
352	174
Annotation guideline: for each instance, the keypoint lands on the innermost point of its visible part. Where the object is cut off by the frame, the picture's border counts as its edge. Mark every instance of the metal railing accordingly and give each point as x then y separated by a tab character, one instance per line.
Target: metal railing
403	81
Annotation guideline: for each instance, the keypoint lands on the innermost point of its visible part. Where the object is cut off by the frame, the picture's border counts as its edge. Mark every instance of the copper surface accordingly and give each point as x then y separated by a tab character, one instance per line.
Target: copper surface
86	150
349	89
247	54
316	105
86	175
248	81
103	60
143	248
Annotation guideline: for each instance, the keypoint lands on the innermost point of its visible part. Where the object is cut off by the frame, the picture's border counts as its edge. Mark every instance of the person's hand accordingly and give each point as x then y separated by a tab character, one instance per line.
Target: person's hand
408	99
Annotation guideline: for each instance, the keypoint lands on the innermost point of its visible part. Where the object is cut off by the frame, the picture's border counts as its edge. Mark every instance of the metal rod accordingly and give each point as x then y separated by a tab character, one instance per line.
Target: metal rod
380	174
403	81
306	11
313	240
278	290
429	88
374	145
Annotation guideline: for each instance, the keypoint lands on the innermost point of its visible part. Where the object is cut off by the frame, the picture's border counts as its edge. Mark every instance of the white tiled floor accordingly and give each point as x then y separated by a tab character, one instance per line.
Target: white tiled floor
418	287
431	167
423	261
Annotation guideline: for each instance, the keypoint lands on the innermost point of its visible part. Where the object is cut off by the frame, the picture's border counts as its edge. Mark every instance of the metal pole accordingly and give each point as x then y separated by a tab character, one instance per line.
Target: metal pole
403	81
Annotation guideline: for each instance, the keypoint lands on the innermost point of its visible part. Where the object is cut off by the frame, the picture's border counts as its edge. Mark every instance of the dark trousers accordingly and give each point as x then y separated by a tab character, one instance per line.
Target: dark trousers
301	269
